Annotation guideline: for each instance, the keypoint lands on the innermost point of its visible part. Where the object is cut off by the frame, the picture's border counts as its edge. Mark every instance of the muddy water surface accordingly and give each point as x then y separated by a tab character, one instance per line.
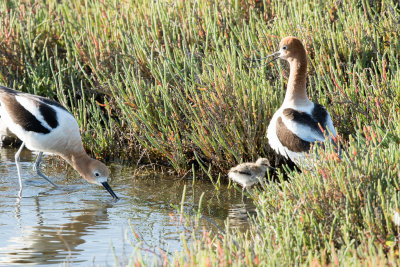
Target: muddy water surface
79	224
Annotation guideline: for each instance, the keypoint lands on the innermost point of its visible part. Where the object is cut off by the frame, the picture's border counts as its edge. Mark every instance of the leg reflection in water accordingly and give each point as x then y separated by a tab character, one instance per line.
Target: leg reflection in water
43	240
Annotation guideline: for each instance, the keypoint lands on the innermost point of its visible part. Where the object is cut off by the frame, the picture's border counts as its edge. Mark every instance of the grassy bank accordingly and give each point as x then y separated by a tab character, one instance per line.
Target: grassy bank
339	213
169	82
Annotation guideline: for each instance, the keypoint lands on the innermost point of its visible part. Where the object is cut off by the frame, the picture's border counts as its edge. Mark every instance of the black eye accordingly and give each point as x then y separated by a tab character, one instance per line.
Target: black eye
97	174
284	47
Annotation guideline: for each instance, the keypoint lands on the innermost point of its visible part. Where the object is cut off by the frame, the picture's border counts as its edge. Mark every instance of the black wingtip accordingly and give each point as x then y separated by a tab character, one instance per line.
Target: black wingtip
108	188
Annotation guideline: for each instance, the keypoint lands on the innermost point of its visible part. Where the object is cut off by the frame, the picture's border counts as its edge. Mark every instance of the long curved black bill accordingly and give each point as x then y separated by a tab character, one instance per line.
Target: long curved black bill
108	188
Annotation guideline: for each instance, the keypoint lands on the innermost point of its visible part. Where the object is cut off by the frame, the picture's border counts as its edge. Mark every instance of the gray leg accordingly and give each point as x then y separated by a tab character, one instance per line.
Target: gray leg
18	166
37	169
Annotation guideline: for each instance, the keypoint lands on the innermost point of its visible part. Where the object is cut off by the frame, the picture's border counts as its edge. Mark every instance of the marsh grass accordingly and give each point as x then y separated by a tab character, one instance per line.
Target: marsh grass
338	212
169	82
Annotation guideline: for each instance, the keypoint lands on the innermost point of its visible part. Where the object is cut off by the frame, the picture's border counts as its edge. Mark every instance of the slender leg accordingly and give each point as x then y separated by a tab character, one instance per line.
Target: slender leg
37	169
19	167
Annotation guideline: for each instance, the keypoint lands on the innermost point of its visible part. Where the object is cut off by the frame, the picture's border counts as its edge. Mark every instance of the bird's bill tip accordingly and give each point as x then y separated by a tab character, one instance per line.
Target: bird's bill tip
108	188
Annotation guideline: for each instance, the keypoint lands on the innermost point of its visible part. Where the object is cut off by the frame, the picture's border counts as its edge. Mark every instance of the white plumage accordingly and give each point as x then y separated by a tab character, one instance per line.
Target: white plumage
57	140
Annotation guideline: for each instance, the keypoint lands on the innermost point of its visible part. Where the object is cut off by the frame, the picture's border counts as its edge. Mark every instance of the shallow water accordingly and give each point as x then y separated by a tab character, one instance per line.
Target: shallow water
81	225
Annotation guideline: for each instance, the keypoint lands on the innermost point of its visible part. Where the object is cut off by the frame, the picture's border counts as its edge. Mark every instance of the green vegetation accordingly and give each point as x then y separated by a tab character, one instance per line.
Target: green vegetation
169	82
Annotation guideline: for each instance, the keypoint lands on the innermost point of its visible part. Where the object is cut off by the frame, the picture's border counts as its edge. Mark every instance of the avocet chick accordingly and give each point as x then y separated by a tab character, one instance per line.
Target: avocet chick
249	173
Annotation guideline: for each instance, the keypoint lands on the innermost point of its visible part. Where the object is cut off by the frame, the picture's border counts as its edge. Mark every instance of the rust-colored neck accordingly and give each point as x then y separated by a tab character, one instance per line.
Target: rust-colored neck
296	93
80	161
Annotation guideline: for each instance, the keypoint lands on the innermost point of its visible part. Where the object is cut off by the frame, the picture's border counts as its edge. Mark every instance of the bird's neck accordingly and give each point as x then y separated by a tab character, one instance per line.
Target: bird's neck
296	93
79	161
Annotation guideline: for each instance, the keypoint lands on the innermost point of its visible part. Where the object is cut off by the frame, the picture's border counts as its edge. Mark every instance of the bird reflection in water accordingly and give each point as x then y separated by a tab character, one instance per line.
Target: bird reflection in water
44	243
239	214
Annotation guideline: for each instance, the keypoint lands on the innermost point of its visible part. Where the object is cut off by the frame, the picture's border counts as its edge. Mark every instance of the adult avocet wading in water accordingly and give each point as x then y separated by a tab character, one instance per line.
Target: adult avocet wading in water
298	122
44	125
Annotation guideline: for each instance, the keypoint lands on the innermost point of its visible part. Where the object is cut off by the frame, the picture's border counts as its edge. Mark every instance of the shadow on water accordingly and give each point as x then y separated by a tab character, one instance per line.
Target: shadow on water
79	223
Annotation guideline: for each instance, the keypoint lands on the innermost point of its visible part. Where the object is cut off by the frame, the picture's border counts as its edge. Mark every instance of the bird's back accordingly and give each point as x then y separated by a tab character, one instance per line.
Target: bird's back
43	124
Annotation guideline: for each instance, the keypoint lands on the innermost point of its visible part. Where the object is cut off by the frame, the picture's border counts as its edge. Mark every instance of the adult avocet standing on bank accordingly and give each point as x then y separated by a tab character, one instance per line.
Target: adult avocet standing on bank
44	125
298	122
